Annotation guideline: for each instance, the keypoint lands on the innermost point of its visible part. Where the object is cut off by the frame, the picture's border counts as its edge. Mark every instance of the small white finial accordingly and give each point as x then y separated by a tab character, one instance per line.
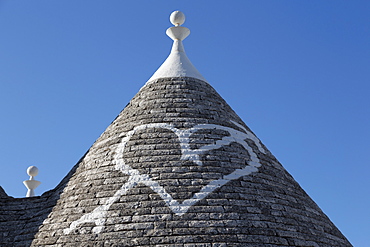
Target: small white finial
177	63
177	18
177	32
31	184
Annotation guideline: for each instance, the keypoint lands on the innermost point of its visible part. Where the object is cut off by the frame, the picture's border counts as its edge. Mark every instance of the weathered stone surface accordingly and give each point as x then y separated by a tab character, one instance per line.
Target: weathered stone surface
100	203
3	193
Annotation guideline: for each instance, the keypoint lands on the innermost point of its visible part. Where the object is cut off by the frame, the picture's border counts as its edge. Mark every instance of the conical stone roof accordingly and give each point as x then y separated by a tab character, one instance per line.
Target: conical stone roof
177	167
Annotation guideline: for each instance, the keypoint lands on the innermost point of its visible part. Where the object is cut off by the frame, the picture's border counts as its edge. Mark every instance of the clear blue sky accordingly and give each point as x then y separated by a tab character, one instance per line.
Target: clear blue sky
296	72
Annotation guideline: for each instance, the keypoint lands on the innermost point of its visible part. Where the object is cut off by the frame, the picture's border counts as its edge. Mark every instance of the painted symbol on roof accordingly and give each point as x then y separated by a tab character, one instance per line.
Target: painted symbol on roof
99	214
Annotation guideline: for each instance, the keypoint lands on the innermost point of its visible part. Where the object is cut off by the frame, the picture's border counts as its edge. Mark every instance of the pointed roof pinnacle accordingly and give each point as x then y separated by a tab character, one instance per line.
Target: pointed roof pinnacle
177	63
32	184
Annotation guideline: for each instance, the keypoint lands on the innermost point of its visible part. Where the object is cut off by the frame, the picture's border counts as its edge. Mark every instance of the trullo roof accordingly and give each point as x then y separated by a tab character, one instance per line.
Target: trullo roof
177	167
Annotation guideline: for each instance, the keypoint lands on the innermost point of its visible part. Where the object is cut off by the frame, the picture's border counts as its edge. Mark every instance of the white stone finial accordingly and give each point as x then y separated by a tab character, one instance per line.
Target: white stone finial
177	18
31	184
177	63
177	32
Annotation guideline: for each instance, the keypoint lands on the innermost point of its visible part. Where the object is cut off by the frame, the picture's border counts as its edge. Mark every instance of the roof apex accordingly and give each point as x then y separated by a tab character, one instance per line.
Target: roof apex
177	63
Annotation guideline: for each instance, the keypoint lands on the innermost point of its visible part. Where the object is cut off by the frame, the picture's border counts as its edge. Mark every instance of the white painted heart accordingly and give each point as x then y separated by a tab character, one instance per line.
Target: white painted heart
98	215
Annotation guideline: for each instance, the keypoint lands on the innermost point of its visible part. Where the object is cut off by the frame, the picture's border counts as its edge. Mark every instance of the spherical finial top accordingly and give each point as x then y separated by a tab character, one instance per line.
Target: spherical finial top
177	18
32	171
